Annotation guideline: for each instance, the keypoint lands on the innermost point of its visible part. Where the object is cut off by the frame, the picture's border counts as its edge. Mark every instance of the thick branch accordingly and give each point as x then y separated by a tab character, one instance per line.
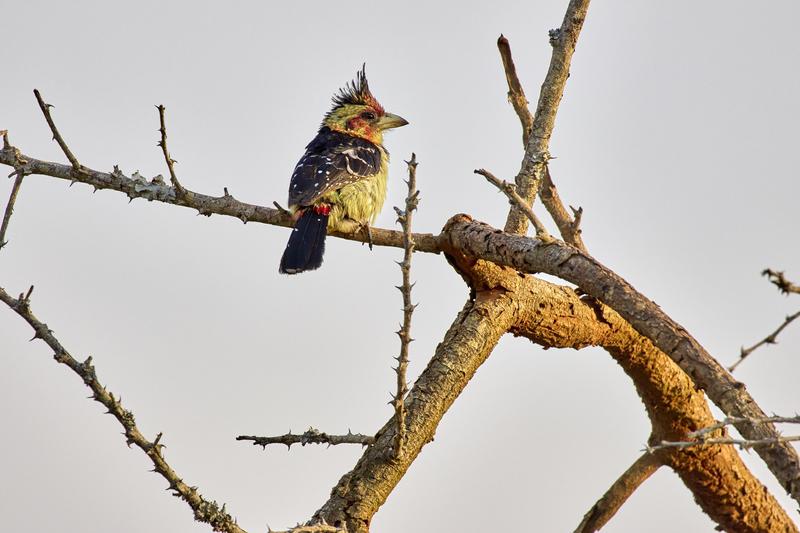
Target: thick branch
476	239
467	344
311	436
155	190
536	152
204	510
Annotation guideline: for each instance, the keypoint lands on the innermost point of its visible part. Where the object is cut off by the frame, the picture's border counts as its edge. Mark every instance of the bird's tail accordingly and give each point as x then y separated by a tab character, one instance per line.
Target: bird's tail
306	243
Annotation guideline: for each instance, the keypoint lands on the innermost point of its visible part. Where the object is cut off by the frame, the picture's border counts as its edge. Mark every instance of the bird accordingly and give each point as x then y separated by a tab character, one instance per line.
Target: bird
340	182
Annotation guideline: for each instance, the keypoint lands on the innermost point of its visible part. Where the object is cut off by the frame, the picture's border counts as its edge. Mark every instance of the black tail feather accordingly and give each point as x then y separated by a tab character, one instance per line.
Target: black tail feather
306	244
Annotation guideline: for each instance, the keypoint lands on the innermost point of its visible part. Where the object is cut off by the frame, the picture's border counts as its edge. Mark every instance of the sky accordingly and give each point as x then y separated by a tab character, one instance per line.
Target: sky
677	135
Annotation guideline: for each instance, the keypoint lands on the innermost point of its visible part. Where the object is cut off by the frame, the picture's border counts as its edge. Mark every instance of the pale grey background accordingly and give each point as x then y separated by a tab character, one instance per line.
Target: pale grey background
678	135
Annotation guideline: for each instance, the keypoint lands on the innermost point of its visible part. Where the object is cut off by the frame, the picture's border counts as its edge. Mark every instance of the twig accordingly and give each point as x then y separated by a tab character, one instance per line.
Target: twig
405	218
731	420
769	339
510	190
537	153
311	436
204	511
568	226
608	505
56	136
318	527
516	95
10	208
744	444
152	190
779	280
180	191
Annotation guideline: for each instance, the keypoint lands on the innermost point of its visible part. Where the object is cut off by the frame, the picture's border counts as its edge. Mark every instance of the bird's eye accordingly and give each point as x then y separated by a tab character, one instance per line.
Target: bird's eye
368	115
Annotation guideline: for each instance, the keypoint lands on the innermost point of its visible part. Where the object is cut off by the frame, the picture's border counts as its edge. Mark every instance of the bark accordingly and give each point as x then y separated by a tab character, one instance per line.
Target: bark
555	317
467	344
464	236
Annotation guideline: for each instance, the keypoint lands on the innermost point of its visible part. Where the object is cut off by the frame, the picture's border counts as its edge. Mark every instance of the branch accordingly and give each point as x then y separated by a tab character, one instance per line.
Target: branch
567	226
155	190
311	436
474	239
516	95
744	444
731	420
405	217
56	136
12	198
180	191
466	345
204	511
769	339
537	153
516	200
607	506
779	280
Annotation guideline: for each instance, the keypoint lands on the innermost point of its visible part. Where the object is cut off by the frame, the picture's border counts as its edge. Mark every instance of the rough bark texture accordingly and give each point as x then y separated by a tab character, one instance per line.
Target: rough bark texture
467	344
476	239
554	316
530	175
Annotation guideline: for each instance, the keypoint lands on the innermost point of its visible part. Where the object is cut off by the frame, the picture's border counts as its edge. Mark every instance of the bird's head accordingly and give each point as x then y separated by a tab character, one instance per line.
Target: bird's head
356	112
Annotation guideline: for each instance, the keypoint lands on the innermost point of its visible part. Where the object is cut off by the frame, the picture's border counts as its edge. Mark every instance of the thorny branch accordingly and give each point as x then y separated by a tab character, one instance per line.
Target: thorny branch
180	191
310	436
405	218
769	339
12	197
138	186
56	135
779	280
204	510
744	444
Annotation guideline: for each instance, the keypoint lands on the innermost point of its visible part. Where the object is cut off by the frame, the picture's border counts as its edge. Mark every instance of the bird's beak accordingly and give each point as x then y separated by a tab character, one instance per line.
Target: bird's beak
388	121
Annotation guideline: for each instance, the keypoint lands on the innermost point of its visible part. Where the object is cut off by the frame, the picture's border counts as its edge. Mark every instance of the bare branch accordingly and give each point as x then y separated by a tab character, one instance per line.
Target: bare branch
56	135
462	235
311	436
779	280
318	527
516	95
510	190
769	339
180	191
154	190
731	420
568	227
10	208
744	444
537	153
204	511
608	505
405	218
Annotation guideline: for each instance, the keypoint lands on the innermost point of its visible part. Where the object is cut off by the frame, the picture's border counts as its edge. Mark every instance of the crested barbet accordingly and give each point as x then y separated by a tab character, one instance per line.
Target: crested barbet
340	182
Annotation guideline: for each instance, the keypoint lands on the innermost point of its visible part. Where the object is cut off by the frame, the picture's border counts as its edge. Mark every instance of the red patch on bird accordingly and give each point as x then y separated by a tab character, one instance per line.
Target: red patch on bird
322	209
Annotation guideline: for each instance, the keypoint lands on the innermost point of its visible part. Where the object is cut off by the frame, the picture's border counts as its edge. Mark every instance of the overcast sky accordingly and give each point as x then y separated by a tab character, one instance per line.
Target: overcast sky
677	135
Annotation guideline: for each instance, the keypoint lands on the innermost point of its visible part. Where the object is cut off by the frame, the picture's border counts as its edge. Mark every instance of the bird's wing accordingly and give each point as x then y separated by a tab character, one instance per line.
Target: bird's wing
329	164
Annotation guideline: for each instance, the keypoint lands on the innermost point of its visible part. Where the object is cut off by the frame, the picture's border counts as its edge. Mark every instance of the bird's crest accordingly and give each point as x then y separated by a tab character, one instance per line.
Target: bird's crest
356	92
